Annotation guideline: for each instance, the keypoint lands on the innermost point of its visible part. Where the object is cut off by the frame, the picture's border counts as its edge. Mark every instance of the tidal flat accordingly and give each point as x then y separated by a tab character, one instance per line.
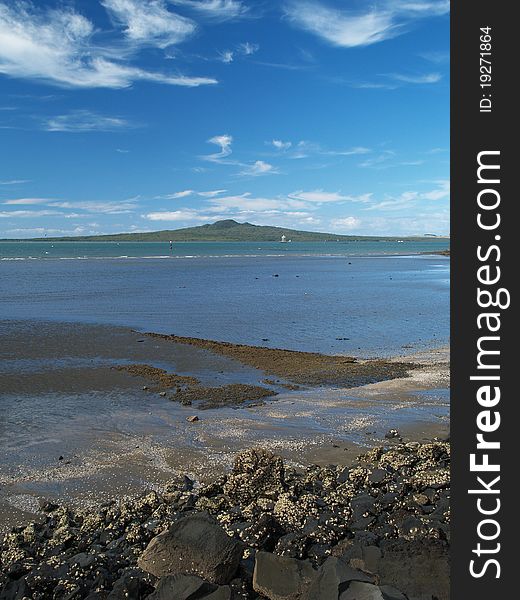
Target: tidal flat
93	413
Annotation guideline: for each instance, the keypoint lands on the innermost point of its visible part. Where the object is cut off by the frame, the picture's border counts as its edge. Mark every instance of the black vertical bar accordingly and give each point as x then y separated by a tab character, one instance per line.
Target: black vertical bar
482	120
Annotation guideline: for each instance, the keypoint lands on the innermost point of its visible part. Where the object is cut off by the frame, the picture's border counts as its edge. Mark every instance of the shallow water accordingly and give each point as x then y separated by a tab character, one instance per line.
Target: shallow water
366	306
74	429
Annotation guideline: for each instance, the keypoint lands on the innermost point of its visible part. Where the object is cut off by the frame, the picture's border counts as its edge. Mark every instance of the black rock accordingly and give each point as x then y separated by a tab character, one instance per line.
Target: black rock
391	593
15	590
377	476
194	544
358	590
343	475
333	578
181	587
281	577
132	584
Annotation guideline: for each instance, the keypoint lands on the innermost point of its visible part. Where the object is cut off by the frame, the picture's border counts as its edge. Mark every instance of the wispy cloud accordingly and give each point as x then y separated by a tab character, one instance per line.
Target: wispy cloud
281	145
321	196
372	85
345	223
404	200
379	160
224	142
226	56
349	29
176	215
187	193
56	46
247	49
242	50
211	193
27	213
220	10
424	78
13	181
258	168
149	22
108	208
304	149
176	195
27	201
83	121
437	57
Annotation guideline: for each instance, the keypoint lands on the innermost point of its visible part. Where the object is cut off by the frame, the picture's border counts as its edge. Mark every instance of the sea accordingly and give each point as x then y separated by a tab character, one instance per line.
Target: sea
75	430
366	298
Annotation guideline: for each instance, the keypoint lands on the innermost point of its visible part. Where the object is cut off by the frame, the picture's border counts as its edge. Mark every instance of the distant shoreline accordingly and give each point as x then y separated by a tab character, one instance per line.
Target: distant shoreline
103	239
230	230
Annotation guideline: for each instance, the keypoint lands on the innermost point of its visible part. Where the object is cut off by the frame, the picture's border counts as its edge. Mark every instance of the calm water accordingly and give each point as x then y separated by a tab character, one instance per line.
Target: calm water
299	295
79	250
58	396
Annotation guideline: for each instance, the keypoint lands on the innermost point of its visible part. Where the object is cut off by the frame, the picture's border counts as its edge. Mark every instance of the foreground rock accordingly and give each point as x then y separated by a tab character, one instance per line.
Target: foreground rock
281	578
194	544
378	529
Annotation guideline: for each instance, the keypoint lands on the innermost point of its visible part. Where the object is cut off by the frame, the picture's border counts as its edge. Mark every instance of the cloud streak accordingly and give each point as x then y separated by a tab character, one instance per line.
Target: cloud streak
149	22
84	121
56	46
219	10
351	29
224	143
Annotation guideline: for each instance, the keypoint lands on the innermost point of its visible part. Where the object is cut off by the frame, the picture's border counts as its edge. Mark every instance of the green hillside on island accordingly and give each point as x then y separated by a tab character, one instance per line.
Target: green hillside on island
221	231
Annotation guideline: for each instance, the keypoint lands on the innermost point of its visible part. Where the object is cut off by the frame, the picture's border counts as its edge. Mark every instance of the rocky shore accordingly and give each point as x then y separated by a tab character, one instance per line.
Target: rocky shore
375	530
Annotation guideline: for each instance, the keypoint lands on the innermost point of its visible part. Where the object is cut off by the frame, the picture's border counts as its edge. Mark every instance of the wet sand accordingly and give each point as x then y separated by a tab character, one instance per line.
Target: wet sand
80	430
308	368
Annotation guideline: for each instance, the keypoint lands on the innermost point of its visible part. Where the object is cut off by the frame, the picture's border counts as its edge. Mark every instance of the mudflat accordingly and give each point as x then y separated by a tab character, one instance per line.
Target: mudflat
94	412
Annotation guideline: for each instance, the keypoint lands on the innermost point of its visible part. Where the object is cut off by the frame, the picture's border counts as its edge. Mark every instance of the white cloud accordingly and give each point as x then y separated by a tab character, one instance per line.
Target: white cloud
149	22
281	145
224	142
442	191
436	56
27	201
258	168
226	56
84	120
107	208
349	152
28	213
176	215
211	193
247	49
426	78
404	200
369	85
320	196
13	181
187	193
247	202
379	160
175	195
345	223
111	207
244	49
349	29
220	10
56	46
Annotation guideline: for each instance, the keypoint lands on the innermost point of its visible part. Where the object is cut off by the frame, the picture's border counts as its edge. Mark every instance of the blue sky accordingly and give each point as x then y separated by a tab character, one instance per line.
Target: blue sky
140	115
